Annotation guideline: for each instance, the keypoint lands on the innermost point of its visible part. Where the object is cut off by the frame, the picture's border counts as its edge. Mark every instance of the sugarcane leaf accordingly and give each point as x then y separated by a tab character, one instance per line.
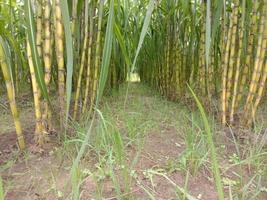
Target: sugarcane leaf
4	44
118	147
69	48
121	40
106	53
79	6
15	46
214	159
144	30
216	20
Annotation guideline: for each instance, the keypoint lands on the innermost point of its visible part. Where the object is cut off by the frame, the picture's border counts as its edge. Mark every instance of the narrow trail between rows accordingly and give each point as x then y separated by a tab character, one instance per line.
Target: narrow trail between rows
155	132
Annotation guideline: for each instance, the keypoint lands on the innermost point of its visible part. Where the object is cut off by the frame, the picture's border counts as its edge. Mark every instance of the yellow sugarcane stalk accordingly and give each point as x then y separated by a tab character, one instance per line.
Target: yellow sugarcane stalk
225	63
77	95
97	56
233	52
47	53
237	72
78	89
11	97
59	34
39	129
262	43
259	79
88	74
39	25
260	92
249	55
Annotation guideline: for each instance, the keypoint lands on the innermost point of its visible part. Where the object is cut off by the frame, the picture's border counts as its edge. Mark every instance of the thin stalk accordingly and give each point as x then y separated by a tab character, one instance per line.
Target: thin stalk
47	59
77	95
59	34
88	74
238	65
11	95
97	55
37	104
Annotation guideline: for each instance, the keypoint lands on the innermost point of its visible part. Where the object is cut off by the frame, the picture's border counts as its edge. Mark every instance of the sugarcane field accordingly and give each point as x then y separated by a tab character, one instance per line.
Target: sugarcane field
133	99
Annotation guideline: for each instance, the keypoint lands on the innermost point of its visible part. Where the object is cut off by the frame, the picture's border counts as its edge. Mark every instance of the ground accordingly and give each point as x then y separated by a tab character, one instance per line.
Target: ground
146	148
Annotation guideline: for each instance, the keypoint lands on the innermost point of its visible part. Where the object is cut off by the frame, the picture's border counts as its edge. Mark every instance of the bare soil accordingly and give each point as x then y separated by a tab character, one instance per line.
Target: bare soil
43	174
159	148
9	147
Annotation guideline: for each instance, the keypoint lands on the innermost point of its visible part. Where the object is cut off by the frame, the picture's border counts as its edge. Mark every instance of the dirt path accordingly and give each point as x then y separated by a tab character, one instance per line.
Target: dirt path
155	132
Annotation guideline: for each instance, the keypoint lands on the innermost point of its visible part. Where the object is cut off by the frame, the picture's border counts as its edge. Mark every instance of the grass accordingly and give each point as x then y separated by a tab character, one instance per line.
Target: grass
145	113
214	157
123	160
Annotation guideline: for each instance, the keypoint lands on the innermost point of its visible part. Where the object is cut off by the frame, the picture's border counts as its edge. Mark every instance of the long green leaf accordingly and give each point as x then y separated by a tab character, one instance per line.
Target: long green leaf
106	53
15	47
150	9
7	53
216	20
214	159
121	41
68	39
144	30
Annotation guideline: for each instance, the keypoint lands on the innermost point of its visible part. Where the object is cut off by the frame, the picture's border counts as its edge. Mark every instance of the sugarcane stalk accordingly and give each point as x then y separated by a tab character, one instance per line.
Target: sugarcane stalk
202	63
225	62
59	41
97	55
261	47
238	67
77	95
47	51
39	128
39	25
11	96
262	84
249	55
232	58
89	55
